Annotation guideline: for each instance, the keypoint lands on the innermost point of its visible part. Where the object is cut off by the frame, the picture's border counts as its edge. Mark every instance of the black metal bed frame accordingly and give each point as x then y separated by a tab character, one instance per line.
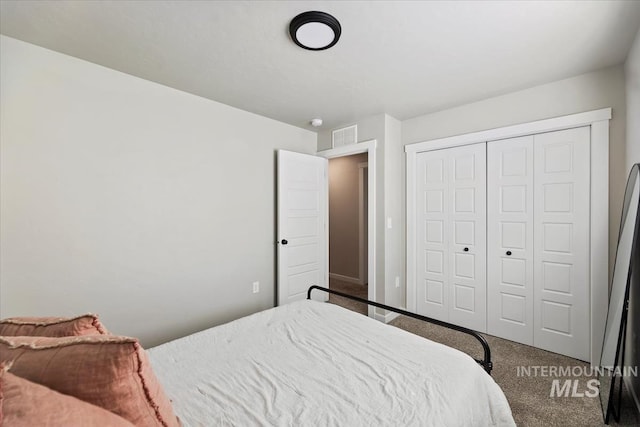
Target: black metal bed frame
485	362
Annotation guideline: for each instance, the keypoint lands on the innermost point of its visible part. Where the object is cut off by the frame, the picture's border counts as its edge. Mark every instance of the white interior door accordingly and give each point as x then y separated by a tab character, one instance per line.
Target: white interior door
302	235
561	247
451	235
432	240
468	248
510	239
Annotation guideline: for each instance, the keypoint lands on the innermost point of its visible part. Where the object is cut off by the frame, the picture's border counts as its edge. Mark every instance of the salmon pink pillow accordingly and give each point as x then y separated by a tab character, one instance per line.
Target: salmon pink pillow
27	404
86	324
105	370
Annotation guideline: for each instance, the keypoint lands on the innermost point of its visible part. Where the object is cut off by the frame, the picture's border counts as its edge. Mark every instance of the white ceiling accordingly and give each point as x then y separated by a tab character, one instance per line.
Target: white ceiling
402	58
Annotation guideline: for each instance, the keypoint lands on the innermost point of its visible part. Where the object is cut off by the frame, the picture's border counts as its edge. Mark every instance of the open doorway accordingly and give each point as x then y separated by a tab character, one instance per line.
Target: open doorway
368	147
348	228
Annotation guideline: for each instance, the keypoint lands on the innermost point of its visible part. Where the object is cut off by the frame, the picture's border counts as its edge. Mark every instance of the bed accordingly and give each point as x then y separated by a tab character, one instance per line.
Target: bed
311	363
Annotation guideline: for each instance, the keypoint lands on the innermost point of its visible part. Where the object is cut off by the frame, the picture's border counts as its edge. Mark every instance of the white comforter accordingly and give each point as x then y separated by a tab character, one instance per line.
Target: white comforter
317	364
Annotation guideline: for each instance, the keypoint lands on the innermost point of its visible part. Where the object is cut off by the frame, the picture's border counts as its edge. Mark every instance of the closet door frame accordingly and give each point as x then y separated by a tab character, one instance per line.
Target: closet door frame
598	121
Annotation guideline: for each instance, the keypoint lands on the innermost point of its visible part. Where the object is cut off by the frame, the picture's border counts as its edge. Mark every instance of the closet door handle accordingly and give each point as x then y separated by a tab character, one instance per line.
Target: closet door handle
466	249
508	253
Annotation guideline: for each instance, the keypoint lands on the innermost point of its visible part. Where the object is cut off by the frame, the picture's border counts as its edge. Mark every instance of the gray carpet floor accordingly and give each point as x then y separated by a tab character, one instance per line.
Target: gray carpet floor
529	396
351	289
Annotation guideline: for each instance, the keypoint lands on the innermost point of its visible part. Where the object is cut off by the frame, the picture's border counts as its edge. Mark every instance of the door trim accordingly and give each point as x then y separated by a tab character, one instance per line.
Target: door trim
368	147
598	120
362	273
548	125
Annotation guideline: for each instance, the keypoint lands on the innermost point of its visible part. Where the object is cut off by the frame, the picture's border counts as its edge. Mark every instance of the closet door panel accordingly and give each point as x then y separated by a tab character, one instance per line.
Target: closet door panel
467	250
510	239
432	241
561	200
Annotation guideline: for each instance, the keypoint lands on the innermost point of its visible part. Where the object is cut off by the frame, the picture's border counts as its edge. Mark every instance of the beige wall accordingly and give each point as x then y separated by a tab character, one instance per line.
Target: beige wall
150	206
344	197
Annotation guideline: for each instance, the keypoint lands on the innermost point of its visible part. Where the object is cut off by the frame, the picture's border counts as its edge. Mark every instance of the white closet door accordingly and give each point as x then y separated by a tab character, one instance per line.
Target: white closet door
561	254
467	251
510	239
451	235
432	209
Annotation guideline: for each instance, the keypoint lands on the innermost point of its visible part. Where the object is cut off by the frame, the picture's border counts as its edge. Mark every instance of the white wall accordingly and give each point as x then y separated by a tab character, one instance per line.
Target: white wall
147	205
632	74
591	91
390	203
599	89
395	257
371	128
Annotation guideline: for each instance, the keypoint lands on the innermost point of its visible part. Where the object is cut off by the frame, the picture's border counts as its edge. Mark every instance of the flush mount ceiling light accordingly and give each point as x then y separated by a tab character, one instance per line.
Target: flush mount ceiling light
315	30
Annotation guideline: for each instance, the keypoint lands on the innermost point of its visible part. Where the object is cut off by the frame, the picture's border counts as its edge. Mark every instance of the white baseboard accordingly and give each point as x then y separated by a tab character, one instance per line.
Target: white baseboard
347	279
386	318
636	398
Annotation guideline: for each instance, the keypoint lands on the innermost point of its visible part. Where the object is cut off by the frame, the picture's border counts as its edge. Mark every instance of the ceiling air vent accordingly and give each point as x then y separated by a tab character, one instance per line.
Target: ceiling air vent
345	136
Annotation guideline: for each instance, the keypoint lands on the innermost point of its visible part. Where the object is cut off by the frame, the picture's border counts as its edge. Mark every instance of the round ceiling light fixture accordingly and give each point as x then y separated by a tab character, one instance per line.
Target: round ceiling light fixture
315	30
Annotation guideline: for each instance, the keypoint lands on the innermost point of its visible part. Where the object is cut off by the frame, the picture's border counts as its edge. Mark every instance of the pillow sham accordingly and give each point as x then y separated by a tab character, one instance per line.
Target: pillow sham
26	404
105	370
86	324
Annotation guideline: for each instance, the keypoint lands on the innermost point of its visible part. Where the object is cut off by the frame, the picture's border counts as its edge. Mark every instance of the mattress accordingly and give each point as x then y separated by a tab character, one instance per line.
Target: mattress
316	364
